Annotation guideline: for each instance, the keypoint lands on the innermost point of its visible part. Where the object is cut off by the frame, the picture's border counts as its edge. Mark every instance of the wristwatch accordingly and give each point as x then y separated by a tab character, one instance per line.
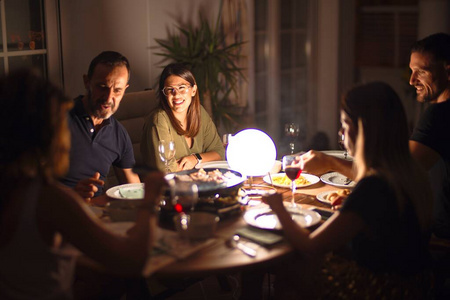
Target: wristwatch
199	158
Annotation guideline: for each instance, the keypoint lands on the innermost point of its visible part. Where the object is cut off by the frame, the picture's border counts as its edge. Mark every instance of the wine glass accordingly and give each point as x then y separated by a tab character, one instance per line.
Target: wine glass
292	130
184	196
293	167
166	152
341	142
226	140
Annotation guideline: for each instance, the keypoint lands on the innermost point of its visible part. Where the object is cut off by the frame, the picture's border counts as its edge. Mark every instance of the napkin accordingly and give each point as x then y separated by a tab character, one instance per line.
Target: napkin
262	237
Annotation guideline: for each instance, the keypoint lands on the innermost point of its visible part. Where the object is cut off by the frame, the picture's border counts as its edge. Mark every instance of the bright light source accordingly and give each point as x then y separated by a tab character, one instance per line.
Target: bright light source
251	152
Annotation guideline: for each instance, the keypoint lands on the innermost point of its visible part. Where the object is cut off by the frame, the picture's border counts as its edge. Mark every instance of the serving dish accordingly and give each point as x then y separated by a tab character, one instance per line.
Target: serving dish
228	187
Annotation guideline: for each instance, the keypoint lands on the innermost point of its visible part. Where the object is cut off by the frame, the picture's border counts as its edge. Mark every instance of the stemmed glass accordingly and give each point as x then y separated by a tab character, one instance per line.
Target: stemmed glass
184	196
166	152
292	130
293	167
226	140
341	142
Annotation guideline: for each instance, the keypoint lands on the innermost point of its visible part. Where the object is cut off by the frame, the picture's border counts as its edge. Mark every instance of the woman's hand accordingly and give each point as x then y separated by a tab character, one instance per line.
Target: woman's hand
187	163
274	200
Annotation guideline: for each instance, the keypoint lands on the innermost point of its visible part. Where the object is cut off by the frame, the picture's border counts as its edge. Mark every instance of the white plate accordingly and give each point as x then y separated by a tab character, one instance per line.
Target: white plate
311	178
338	154
222	164
114	192
265	218
337	179
322	197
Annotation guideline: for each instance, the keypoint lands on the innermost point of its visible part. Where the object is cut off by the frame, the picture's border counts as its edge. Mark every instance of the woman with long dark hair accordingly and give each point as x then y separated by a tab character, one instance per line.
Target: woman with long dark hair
39	216
180	118
387	216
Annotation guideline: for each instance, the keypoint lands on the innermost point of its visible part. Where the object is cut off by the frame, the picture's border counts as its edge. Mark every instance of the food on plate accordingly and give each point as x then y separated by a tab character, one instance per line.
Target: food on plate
203	176
136	193
284	180
338	197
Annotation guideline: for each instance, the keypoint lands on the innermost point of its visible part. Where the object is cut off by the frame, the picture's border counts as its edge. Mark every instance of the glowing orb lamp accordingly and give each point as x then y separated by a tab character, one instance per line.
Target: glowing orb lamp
251	152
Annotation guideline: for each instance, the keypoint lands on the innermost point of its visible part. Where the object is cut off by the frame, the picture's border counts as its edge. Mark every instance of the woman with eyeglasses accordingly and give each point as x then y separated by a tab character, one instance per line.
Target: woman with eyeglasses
180	118
385	220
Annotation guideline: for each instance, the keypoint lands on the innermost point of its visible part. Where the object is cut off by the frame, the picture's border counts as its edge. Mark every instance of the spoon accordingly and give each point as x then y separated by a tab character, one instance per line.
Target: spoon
235	243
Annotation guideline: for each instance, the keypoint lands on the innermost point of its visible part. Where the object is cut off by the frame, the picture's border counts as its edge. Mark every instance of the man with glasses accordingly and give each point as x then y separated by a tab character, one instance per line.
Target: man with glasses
430	141
97	139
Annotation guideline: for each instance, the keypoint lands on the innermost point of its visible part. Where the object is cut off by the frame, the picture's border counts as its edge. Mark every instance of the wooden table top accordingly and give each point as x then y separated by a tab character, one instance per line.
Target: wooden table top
220	258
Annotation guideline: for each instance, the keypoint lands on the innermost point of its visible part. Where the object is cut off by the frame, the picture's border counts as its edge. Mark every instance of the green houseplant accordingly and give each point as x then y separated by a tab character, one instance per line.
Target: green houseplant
213	64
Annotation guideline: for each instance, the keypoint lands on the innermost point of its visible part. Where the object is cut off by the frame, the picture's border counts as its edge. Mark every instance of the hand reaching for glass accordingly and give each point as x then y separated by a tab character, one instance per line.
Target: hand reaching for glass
316	162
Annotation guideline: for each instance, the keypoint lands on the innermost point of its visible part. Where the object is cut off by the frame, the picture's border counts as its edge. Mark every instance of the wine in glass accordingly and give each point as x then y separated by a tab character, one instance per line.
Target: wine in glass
292	130
293	166
166	152
184	196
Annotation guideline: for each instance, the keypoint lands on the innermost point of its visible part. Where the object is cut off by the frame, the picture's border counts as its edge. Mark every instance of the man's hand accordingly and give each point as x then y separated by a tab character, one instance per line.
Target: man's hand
87	188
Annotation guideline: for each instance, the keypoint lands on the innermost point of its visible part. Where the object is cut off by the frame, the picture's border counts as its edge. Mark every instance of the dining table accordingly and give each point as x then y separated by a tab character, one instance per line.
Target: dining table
220	258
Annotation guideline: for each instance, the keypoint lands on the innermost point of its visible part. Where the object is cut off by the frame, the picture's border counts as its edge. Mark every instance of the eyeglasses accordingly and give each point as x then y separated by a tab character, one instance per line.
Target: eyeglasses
170	90
341	135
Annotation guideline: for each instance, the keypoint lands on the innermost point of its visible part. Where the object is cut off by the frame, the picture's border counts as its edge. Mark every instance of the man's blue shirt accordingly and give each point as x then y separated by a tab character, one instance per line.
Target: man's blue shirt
95	151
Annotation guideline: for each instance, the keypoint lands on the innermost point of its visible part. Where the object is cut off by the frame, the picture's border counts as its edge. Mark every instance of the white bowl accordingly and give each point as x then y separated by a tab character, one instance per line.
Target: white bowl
196	225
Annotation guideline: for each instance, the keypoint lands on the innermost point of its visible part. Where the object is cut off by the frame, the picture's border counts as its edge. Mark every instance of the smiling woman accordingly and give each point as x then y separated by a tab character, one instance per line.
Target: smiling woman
180	118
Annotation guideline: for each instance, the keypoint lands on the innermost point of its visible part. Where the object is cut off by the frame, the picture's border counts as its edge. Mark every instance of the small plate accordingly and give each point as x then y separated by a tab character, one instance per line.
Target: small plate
339	154
322	197
129	188
311	178
337	179
265	218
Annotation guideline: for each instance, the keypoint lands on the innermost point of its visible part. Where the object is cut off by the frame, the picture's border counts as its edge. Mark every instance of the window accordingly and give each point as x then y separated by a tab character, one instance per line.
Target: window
283	39
23	40
385	34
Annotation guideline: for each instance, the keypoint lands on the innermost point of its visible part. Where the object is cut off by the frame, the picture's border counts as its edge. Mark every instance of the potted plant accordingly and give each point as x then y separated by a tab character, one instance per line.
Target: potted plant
213	64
